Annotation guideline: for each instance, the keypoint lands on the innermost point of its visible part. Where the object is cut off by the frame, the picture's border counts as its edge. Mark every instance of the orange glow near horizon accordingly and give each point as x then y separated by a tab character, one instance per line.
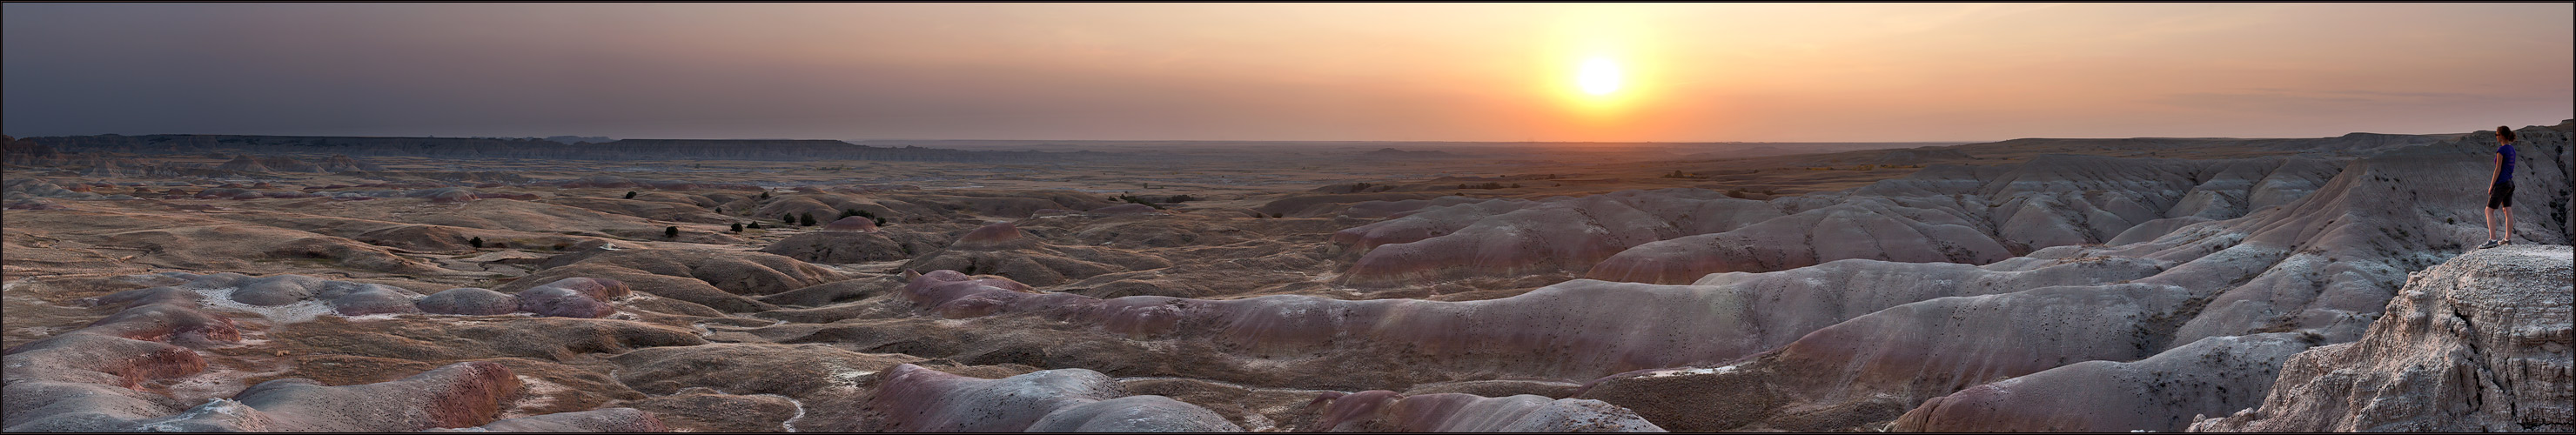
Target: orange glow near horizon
1267	71
1609	75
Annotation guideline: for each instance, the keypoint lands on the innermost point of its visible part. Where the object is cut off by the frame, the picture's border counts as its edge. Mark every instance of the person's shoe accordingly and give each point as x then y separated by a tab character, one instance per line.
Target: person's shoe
2491	244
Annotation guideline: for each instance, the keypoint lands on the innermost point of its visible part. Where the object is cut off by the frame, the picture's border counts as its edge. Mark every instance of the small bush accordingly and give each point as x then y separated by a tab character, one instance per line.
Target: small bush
737	227
630	194
764	194
862	213
1136	200
671	232
477	242
806	220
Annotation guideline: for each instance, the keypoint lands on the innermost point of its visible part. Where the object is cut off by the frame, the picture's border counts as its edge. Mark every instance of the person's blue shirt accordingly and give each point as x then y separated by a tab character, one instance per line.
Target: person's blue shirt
2505	174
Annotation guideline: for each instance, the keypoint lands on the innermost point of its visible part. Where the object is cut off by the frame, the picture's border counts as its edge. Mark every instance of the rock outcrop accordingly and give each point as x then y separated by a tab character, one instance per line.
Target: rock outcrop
2478	344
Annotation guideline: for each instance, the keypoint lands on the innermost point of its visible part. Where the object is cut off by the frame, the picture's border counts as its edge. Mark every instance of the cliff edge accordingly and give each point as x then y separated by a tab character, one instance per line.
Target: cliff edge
2477	344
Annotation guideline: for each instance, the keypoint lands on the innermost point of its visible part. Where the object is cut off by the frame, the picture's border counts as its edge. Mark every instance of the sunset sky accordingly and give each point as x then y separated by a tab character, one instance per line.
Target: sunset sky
1415	72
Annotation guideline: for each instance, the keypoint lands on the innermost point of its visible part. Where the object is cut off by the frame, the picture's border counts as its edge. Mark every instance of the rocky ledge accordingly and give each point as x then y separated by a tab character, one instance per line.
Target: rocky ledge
2477	344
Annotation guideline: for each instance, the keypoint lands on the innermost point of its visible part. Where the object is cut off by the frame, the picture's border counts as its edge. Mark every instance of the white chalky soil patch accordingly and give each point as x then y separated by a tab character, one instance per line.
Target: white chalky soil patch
216	382
534	393
373	317
1692	372
298	312
790	424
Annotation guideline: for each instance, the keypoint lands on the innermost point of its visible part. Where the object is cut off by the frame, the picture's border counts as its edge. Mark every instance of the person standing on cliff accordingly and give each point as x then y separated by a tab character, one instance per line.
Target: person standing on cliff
2500	194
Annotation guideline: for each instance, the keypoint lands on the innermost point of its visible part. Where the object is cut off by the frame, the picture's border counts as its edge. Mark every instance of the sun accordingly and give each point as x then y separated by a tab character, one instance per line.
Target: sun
1598	76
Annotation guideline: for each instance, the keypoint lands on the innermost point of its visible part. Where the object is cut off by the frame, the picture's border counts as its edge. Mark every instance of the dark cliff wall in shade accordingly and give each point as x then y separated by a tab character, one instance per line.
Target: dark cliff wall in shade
627	149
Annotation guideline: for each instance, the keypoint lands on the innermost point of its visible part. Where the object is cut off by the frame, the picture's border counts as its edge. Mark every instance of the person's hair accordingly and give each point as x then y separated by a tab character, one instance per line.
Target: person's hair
2504	134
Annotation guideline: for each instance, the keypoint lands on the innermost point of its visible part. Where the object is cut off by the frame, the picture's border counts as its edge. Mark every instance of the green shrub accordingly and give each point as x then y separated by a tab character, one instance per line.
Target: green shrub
861	213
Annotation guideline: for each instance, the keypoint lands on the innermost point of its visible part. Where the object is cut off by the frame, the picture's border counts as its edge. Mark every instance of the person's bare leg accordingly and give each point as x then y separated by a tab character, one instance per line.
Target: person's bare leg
2508	226
2491	225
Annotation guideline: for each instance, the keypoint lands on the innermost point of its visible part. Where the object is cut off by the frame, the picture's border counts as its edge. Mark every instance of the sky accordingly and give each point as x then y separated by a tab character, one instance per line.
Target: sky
1302	72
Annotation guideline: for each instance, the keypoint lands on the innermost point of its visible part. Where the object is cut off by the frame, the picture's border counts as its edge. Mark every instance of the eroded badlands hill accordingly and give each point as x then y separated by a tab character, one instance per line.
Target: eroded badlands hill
2098	286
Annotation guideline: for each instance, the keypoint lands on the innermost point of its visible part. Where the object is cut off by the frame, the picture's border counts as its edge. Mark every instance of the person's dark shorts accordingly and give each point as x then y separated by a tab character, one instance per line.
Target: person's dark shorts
2502	196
